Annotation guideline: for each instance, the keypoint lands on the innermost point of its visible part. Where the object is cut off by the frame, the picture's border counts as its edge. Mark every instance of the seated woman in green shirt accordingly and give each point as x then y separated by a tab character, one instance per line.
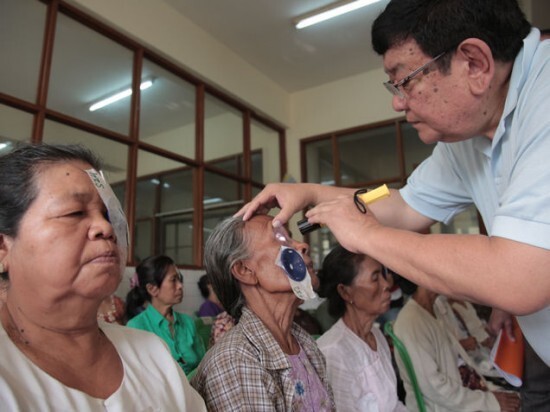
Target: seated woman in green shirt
159	286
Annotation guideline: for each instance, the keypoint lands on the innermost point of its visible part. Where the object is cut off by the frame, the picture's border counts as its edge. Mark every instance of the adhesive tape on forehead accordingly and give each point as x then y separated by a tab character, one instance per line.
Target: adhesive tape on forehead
295	268
116	215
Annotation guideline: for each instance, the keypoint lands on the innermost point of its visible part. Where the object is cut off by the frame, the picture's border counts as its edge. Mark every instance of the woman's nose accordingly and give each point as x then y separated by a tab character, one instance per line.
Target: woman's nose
102	228
302	247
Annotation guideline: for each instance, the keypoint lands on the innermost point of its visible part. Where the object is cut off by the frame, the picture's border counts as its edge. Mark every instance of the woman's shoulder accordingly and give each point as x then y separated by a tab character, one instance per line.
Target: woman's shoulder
332	337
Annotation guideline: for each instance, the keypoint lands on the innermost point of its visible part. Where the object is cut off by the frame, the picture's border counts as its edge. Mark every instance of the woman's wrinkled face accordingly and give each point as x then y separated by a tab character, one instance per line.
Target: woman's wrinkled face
171	288
265	247
65	245
370	289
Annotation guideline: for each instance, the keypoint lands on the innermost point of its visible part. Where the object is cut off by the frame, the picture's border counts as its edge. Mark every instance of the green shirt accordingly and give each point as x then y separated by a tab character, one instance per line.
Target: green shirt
185	345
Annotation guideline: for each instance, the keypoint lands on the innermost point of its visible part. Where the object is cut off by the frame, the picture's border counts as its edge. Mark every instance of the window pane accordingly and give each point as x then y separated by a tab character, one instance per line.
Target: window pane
265	153
223	131
222	199
319	162
415	149
321	242
88	67
114	155
15	125
164	198
368	155
465	222
215	216
21	47
143	237
167	111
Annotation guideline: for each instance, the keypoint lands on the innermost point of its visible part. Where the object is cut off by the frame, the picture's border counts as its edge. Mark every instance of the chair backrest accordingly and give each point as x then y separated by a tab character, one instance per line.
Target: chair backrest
404	354
204	328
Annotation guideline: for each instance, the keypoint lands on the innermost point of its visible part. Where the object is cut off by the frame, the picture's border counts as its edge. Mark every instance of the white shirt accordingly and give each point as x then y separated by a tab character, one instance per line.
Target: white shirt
152	379
361	379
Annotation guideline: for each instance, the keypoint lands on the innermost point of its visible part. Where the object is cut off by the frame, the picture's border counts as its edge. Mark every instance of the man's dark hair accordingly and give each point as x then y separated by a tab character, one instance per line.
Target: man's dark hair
441	25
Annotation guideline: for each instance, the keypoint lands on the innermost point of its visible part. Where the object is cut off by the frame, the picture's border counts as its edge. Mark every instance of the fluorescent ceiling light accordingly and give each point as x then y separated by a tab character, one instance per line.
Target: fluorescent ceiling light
211	200
119	96
328	12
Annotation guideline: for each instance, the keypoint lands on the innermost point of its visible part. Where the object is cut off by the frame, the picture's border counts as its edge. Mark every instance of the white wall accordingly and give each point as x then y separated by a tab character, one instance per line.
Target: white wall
192	298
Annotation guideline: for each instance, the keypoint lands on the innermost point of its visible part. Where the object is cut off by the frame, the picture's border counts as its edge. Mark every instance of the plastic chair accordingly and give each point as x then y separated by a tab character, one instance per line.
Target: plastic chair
204	328
404	354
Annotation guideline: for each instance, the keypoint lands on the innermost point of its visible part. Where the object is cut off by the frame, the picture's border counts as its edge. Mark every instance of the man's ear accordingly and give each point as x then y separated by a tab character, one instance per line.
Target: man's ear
344	292
480	64
153	290
244	274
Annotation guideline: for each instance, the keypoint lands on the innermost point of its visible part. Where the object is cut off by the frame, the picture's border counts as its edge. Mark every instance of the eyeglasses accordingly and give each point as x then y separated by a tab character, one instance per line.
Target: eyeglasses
393	88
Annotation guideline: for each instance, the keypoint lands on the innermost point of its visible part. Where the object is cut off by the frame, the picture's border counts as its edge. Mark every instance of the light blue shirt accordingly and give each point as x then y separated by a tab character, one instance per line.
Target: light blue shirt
507	178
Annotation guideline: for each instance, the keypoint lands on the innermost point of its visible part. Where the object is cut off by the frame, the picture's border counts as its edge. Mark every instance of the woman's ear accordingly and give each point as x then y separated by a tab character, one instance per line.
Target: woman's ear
344	292
480	64
153	290
5	245
244	274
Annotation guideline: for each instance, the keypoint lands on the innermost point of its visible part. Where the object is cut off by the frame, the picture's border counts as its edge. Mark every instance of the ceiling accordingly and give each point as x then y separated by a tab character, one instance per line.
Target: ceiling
261	32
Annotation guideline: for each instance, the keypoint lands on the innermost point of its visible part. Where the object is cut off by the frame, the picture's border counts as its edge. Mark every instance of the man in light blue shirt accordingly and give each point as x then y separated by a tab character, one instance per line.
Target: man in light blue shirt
473	77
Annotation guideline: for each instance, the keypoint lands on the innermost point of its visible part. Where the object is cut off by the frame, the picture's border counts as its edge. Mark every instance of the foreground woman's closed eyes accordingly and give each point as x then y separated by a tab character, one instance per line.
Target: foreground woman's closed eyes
61	256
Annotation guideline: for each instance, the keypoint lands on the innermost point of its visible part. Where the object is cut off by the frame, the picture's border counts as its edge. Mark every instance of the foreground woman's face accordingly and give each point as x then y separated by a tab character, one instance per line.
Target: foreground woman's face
65	245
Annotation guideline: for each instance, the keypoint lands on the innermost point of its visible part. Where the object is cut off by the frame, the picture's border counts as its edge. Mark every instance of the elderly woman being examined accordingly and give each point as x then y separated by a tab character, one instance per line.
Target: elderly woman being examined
266	361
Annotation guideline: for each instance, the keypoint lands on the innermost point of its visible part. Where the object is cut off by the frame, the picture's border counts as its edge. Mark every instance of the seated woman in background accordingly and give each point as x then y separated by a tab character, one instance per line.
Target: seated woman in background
62	256
112	310
447	382
160	283
265	362
359	364
211	305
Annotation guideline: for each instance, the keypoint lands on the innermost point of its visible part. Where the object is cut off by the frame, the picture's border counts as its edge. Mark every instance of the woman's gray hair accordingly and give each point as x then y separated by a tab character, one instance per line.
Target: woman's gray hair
226	246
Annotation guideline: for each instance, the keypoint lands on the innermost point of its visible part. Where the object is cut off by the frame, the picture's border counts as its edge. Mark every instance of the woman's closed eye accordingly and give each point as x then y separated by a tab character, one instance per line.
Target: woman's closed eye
74	213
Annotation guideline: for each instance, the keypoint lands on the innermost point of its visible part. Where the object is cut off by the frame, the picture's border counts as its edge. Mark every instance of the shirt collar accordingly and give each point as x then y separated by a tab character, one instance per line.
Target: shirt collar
156	316
520	71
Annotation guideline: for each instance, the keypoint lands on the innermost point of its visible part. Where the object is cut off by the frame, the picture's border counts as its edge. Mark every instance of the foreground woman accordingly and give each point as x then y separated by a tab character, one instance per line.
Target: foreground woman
63	251
359	364
265	362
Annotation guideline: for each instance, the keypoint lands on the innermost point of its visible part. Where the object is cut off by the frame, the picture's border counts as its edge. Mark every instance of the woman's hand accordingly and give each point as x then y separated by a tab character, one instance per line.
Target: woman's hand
508	401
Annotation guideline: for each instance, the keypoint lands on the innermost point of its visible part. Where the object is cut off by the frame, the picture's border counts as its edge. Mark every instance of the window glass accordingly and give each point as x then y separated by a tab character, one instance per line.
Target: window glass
113	155
167	113
15	125
223	135
87	68
368	155
319	161
164	208
265	154
222	198
21	47
415	149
